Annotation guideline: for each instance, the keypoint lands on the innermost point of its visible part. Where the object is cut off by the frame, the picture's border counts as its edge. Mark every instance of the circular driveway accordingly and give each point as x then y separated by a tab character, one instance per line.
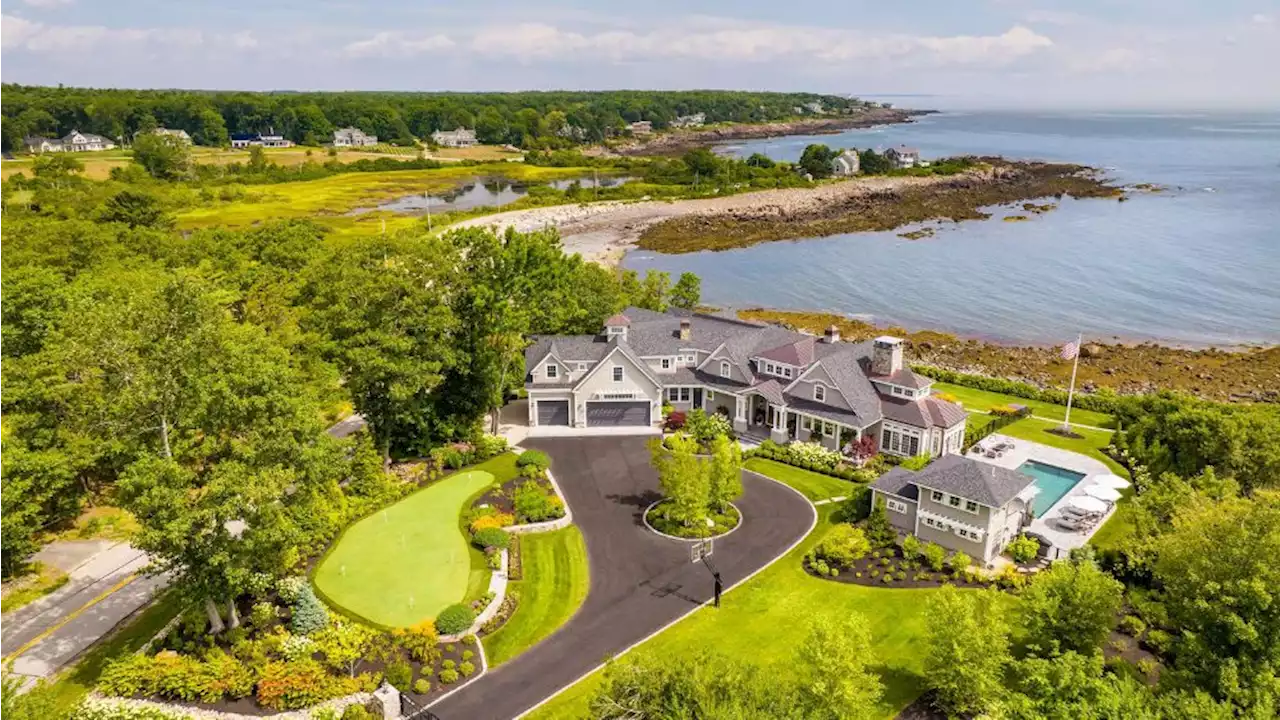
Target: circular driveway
640	582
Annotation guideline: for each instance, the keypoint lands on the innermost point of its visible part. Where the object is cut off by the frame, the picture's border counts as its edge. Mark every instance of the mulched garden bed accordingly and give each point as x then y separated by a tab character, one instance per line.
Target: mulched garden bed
501	497
871	571
723	523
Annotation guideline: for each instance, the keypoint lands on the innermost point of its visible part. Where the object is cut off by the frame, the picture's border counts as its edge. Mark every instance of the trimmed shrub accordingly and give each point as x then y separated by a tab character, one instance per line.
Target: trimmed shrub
419	641
466	668
399	674
448	677
492	520
261	615
910	547
1023	549
309	614
356	711
468	639
843	545
959	562
1133	625
468	654
290	588
536	458
1102	401
492	538
487	446
934	555
534	503
675	420
422	686
449	664
455	619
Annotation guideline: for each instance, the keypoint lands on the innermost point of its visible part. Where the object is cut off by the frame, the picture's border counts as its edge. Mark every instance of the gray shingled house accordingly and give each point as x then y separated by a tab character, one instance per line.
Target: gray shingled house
959	503
771	381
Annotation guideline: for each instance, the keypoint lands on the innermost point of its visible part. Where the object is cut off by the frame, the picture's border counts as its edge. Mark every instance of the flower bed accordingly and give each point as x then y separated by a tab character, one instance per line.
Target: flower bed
522	497
889	568
815	457
721	522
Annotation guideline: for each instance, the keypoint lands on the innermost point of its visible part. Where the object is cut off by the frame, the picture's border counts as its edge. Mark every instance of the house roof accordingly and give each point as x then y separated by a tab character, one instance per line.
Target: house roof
798	353
771	390
970	479
904	150
906	377
898	481
944	414
618	320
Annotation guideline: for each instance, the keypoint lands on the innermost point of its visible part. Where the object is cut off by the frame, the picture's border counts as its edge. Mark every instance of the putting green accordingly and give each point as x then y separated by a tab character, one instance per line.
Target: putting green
405	563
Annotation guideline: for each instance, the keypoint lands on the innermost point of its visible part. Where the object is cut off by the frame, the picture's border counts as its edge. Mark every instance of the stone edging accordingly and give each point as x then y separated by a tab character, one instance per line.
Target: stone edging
337	704
548	525
497	586
655	531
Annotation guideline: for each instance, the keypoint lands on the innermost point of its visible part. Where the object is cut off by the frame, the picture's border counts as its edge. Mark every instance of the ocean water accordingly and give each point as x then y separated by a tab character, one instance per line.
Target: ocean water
1196	265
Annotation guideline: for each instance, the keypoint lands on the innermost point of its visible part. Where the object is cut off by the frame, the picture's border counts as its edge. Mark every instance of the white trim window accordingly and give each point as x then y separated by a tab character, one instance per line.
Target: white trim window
725	369
582	367
617	373
666	363
971	535
895	505
819	393
938	496
971	507
935	523
551	371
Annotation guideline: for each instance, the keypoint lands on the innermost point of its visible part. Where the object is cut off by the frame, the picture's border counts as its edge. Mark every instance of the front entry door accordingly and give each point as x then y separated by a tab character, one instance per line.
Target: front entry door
697	398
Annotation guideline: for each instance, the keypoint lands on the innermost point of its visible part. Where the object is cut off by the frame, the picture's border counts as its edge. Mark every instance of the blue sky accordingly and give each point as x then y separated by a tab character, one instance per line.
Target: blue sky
1026	53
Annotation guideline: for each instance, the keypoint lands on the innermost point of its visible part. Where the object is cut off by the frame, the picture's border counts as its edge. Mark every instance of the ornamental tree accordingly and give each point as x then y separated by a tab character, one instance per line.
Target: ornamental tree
724	472
684	478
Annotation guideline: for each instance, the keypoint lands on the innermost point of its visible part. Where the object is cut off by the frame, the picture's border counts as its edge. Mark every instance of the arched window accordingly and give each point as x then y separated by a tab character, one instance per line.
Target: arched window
725	371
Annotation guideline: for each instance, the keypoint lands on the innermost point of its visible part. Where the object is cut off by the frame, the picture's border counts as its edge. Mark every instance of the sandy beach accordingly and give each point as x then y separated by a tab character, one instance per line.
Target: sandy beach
603	232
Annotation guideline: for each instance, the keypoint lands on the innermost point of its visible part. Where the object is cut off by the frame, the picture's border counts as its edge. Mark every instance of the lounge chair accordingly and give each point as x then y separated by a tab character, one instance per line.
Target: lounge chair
1076	523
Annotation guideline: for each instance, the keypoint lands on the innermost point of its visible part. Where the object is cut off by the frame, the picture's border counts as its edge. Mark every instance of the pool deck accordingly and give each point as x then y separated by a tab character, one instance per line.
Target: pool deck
1062	539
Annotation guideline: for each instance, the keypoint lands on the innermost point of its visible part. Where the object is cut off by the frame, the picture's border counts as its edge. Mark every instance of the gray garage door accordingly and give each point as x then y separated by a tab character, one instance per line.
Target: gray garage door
553	412
615	414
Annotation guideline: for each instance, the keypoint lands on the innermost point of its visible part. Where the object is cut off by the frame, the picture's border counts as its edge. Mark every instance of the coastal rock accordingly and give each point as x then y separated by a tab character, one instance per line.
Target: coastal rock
1093	350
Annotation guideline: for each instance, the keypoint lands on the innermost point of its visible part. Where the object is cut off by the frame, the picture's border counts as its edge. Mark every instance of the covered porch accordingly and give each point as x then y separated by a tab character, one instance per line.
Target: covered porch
759	417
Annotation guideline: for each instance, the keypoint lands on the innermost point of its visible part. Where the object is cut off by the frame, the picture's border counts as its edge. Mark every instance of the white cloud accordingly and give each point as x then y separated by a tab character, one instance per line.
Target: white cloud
47	3
397	45
40	37
747	43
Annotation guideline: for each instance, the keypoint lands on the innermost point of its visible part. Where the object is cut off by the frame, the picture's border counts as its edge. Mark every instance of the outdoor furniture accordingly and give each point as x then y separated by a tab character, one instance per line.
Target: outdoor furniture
1103	493
1111	481
1087	504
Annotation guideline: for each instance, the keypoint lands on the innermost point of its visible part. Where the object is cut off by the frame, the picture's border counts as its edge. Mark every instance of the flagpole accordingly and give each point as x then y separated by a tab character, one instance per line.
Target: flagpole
1066	423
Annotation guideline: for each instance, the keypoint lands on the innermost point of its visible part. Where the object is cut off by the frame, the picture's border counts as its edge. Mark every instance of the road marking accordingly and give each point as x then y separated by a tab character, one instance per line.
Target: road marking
70	616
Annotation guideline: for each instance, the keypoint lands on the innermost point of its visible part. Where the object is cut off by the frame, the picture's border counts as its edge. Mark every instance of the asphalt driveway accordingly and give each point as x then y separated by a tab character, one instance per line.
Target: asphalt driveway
639	581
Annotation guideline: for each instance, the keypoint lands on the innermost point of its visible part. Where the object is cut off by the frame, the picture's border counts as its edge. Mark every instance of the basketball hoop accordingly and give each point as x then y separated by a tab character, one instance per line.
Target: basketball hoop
701	549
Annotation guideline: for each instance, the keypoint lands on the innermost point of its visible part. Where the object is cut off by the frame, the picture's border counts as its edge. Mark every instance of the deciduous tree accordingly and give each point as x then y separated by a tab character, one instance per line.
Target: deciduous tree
1071	607
967	649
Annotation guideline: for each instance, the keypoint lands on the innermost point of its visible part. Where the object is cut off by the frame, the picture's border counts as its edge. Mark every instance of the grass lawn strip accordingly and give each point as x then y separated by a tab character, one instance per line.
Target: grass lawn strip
981	401
555	585
759	620
407	562
812	485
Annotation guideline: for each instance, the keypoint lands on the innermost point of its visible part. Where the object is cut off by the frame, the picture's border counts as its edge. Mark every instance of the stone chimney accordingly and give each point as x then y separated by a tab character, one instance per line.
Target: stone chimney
686	329
886	355
831	334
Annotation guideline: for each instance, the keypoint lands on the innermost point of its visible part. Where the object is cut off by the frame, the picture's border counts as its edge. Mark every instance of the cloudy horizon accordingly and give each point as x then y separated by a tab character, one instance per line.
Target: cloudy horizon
1091	54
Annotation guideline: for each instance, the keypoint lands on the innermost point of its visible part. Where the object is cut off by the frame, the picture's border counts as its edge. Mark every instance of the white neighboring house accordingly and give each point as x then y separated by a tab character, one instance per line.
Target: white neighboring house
903	156
688	121
75	141
179	134
459	138
846	164
268	140
641	127
353	137
772	382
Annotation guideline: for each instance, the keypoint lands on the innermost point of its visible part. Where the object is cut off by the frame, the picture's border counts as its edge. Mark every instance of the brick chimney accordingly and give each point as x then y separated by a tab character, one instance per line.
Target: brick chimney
831	334
886	355
686	329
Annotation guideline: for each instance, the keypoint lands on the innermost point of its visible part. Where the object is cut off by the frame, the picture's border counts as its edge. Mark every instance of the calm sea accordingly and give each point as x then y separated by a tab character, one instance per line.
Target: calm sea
1198	265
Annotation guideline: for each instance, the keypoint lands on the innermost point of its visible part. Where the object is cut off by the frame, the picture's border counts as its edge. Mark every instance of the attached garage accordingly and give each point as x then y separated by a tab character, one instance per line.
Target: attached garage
618	414
553	412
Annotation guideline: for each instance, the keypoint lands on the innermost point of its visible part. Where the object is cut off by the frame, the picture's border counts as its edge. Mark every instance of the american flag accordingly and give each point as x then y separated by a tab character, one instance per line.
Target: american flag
1070	350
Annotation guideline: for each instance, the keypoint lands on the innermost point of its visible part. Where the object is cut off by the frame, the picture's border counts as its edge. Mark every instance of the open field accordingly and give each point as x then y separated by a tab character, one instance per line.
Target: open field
478	152
764	620
556	579
405	563
330	197
983	400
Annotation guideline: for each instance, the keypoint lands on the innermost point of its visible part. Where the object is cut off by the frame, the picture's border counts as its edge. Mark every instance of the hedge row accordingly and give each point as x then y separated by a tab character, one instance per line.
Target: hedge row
1104	401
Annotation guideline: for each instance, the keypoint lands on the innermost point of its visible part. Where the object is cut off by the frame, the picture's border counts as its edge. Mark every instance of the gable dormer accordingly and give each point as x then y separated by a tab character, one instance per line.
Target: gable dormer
616	327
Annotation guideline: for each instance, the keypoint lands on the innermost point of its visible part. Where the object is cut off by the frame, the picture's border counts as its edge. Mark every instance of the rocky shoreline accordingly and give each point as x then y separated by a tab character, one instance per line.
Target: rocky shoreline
1241	375
993	182
679	141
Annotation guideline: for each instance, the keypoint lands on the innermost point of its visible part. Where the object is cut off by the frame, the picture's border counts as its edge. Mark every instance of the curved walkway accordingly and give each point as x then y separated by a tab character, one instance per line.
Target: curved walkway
640	582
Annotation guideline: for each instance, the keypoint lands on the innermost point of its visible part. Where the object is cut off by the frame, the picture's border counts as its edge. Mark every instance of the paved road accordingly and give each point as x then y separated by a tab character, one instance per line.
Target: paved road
639	581
104	588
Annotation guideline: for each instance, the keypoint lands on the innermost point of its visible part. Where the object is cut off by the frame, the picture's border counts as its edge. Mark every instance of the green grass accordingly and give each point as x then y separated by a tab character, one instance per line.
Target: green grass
42	580
764	620
812	485
555	584
407	562
1092	444
981	401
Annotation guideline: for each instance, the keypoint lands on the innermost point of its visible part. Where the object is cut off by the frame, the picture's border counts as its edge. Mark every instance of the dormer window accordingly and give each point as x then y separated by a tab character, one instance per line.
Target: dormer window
582	367
819	393
666	363
551	371
725	370
617	332
617	373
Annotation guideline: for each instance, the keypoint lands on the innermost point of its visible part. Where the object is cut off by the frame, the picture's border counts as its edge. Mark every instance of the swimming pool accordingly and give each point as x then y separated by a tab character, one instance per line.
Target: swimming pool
1053	481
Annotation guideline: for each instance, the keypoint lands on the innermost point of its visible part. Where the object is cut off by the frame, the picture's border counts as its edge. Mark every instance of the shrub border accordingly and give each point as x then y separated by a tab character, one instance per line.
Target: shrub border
645	517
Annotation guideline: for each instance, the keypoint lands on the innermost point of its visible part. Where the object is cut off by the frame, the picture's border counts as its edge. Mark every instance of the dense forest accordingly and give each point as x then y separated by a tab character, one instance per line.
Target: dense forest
528	119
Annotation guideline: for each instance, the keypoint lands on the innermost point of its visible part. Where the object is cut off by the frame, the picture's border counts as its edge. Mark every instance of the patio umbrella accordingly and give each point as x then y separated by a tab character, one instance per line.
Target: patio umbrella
1103	492
1088	504
1111	481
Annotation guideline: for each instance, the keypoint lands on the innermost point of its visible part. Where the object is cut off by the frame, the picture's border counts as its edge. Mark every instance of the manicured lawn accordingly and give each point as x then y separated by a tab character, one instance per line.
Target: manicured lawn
981	401
814	486
555	584
1092	444
765	620
407	562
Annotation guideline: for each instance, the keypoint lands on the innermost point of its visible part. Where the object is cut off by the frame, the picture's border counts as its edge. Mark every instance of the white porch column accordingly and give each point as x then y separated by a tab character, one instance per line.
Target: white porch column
739	414
779	431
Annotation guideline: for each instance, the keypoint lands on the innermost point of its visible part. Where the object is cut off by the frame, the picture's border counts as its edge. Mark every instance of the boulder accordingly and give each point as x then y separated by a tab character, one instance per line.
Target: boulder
1092	350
